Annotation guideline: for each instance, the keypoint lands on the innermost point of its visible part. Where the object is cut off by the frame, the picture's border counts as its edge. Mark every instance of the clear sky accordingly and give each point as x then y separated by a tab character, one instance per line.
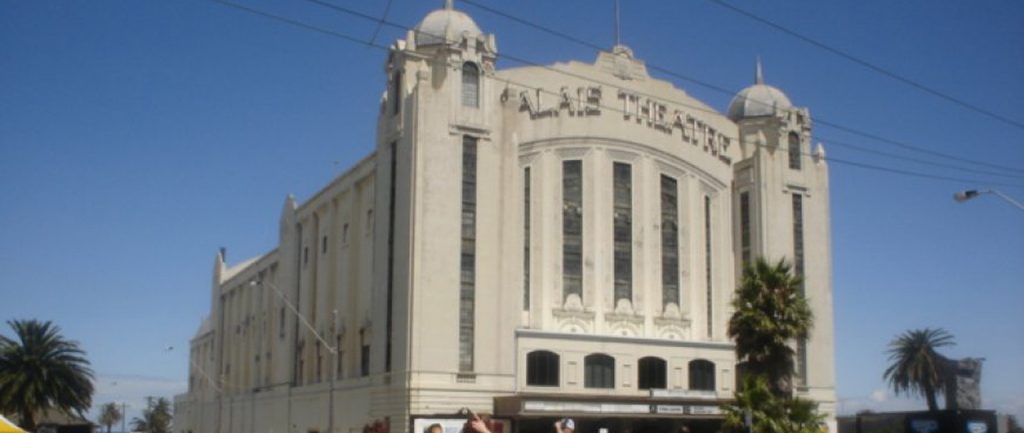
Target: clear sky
138	136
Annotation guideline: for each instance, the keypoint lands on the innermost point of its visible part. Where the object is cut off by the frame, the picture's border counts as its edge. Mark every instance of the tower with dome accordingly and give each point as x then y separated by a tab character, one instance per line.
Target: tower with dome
533	243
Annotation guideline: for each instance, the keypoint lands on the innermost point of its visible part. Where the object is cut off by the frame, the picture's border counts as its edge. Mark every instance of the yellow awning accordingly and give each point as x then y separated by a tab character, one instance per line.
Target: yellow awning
9	427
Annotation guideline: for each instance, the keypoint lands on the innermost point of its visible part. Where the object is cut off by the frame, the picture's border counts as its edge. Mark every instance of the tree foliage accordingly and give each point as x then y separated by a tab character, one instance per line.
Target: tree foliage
915	367
770	313
156	417
110	414
40	370
770	412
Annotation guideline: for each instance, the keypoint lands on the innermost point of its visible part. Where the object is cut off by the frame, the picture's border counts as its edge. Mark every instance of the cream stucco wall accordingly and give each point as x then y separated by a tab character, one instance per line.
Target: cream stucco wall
374	257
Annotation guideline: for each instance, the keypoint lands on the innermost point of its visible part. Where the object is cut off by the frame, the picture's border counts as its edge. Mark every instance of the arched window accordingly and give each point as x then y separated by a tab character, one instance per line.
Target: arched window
470	85
794	151
396	93
542	368
652	373
599	371
702	375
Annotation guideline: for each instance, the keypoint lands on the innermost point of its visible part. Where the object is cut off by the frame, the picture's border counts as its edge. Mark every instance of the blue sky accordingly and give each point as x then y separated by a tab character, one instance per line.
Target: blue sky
138	136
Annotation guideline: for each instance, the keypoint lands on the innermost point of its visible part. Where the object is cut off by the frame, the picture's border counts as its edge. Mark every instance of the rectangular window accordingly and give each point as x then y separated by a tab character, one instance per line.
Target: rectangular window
798	270
391	254
467	292
669	241
572	228
364	354
798	236
396	93
339	357
707	265
319	362
623	230
794	151
526	239
280	323
745	248
323	245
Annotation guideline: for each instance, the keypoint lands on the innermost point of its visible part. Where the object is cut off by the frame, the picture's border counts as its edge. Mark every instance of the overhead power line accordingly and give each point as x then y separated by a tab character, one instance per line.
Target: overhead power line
871	66
730	92
603	107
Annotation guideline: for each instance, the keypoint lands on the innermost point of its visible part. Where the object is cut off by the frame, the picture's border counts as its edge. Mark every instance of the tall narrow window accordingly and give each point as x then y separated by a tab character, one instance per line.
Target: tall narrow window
470	85
467	292
623	230
396	93
798	269
669	241
702	375
319	362
794	151
280	323
599	371
526	239
745	228
339	357
391	254
364	354
572	228
709	295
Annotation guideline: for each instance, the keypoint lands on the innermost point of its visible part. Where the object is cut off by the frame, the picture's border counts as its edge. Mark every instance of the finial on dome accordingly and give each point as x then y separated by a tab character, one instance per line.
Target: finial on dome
758	72
449	4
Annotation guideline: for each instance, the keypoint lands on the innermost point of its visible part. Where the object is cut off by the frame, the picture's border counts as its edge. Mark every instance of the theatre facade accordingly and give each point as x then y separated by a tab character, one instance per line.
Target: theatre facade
533	243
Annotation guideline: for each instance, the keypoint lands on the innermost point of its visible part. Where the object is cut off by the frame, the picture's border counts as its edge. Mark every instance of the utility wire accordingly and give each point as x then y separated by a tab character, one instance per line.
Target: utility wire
387	9
729	92
866	149
870	65
605	107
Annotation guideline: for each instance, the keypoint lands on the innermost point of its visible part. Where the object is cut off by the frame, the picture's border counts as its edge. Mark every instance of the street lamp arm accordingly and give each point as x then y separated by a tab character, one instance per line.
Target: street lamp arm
962	196
208	378
1008	199
302	318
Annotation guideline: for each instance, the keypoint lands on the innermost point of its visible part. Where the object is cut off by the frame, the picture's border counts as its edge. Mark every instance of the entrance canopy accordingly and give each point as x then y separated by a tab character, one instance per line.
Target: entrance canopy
7	426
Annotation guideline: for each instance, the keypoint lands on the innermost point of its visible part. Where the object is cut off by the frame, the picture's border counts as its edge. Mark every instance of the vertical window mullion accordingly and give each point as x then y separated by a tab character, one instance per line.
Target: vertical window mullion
745	237
623	230
467	291
526	239
709	293
669	241
572	228
798	269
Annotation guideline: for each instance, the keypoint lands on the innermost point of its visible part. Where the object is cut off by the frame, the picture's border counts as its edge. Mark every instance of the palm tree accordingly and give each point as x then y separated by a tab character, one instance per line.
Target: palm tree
156	417
110	415
39	370
769	412
916	368
769	313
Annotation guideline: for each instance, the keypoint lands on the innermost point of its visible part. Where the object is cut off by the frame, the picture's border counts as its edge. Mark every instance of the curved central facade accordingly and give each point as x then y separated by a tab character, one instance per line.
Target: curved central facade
532	242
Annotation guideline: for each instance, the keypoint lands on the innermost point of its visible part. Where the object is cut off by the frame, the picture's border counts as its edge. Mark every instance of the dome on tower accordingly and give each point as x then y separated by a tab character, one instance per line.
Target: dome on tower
446	24
758	100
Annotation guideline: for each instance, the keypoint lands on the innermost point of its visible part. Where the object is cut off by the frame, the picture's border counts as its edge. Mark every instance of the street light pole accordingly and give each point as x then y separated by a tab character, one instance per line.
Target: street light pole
962	196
